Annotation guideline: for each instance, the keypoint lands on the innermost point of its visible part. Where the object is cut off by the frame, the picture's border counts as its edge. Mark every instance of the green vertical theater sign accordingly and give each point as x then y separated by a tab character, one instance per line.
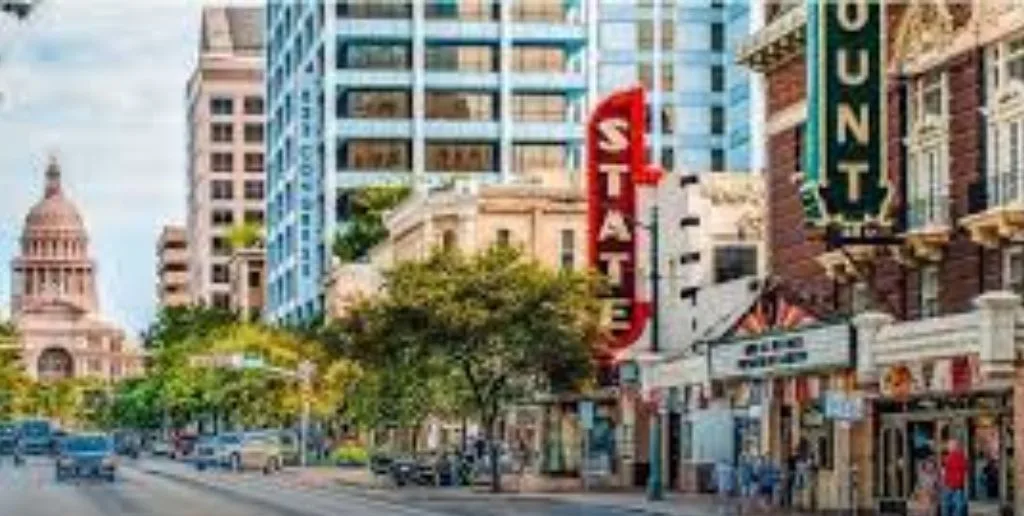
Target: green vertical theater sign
846	184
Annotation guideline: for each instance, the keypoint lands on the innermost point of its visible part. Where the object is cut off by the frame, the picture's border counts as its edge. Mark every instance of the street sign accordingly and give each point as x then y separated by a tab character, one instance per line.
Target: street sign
843	407
586	411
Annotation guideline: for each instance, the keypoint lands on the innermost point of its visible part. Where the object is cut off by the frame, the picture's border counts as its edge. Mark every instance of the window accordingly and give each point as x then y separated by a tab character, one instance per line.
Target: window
222	190
929	291
929	97
221	300
928	196
717	120
222	217
1013	270
668	34
390	9
377	104
253	105
567	254
460	106
1015	59
222	162
463	58
219	273
718	37
464	157
734	261
448	240
255	279
533	158
222	133
860	297
538	11
539	108
465	10
222	106
667	76
645	34
717	160
503	237
219	246
529	58
253	133
253	162
253	217
717	78
372	56
253	190
377	154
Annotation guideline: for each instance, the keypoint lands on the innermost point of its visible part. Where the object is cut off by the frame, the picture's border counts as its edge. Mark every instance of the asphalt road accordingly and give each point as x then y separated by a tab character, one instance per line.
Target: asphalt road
162	488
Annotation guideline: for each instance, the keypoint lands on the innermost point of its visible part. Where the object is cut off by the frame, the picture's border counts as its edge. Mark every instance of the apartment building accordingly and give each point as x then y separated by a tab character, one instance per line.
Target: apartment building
225	101
172	288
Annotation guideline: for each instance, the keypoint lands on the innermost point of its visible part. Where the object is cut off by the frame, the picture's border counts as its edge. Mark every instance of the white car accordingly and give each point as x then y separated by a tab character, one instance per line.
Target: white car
160	448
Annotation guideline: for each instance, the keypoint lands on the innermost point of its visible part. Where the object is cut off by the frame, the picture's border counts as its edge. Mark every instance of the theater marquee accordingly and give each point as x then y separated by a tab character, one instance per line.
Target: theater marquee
616	164
853	188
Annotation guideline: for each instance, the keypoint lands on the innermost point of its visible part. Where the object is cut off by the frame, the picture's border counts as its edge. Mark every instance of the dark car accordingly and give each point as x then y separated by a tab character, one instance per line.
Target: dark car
36	437
127	444
8	438
86	455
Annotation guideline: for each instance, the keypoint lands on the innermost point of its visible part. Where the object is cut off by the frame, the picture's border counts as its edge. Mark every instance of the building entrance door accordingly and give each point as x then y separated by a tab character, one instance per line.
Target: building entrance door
892	466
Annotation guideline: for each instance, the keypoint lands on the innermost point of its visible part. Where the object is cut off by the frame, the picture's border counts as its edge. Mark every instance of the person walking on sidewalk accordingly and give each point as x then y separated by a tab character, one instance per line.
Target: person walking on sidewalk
768	481
725	480
954	480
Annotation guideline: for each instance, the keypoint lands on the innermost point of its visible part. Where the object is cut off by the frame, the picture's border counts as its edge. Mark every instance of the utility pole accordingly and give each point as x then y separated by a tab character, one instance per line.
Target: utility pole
655	490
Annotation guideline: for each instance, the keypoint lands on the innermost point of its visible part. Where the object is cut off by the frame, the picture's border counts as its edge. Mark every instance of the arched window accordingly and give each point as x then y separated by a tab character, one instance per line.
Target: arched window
55	364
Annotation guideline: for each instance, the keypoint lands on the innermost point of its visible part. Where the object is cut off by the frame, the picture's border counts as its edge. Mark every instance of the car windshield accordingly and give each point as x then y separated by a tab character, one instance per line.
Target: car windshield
82	444
35	429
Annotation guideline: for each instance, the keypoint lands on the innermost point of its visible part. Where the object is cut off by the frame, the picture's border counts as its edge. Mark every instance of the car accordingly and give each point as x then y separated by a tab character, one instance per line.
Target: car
8	438
183	446
290	455
36	437
214	450
86	455
127	444
256	450
160	448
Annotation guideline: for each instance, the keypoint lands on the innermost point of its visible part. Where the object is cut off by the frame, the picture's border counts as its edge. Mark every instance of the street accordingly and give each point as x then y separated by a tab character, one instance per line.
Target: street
163	488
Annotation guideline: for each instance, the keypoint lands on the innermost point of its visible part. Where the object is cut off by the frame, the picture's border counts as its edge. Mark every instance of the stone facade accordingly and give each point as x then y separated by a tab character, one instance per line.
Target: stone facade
54	302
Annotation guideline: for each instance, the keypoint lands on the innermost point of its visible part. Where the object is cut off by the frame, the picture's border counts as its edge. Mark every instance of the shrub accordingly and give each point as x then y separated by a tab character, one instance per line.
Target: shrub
350	455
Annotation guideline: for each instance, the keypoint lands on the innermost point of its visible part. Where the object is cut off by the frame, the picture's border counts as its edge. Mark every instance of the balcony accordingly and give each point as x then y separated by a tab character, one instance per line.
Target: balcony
780	40
374	128
549	81
461	80
844	264
1004	215
928	228
375	29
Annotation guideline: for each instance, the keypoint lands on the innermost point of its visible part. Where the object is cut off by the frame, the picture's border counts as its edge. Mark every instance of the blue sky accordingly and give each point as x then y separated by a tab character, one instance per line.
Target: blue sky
100	83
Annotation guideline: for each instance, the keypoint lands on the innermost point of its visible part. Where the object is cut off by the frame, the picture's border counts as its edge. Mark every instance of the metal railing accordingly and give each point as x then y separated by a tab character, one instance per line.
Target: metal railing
928	211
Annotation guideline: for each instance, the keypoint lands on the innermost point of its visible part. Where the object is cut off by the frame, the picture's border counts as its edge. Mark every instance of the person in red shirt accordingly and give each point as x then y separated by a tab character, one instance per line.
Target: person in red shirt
954	480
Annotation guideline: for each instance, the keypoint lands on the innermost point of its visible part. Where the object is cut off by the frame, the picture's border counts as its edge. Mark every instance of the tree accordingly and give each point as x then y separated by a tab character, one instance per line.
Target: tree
365	228
176	325
503	326
245	236
13	381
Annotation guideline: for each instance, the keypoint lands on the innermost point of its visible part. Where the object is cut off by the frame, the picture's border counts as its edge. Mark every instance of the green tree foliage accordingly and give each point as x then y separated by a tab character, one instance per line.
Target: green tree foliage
500	326
365	228
245	236
176	325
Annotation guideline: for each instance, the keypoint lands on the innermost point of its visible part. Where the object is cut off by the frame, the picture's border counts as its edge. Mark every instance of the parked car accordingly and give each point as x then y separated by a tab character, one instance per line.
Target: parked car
183	446
160	448
8	438
290	454
256	450
127	443
36	437
86	455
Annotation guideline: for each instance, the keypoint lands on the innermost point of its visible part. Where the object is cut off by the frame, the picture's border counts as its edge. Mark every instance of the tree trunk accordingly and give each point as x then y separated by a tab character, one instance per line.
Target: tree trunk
489	430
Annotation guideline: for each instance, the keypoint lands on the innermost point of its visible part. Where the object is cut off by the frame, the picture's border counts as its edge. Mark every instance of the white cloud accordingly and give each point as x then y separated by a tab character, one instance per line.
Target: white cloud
102	84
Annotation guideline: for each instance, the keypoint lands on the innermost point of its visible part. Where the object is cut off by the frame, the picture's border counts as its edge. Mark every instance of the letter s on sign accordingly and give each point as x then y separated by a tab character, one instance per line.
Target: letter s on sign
613	135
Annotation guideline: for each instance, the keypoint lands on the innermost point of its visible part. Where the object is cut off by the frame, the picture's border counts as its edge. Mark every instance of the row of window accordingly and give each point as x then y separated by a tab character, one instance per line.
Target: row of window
645	35
463	10
503	236
224	132
468	157
447	105
463	58
224	190
222	217
221	275
225	105
225	161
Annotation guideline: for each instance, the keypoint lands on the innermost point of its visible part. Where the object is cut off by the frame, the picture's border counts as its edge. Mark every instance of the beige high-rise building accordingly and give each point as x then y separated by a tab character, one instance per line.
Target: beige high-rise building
225	145
172	267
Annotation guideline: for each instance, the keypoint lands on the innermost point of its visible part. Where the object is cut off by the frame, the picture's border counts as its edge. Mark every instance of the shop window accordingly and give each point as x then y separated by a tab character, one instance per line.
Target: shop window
929	291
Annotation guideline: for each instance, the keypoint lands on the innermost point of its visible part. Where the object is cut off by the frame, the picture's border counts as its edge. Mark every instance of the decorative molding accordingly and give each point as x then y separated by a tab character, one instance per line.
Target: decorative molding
925	28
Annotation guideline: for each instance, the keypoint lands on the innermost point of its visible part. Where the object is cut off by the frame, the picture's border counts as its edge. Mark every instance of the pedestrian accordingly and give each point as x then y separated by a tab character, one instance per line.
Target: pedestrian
725	479
767	476
954	480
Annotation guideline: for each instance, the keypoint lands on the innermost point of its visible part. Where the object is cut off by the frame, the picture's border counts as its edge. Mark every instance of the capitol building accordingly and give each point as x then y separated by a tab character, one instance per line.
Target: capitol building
54	305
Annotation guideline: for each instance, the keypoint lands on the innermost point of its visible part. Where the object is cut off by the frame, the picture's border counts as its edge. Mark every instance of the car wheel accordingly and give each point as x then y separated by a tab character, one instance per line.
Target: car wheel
236	463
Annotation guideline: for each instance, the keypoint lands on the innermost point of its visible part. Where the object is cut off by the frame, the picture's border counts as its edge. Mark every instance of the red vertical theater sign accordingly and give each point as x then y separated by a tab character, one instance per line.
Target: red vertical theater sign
616	165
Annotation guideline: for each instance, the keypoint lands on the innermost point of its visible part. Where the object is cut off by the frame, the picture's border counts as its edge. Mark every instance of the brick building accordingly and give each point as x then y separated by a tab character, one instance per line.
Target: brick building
935	311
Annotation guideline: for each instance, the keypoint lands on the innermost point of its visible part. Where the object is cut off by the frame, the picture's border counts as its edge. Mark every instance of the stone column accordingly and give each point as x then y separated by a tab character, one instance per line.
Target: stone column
997	312
869	326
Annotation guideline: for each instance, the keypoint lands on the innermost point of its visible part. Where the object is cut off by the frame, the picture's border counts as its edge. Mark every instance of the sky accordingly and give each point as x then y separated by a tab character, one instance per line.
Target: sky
99	83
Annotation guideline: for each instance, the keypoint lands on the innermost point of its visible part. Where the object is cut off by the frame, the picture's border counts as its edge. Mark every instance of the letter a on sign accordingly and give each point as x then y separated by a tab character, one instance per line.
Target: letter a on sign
616	162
